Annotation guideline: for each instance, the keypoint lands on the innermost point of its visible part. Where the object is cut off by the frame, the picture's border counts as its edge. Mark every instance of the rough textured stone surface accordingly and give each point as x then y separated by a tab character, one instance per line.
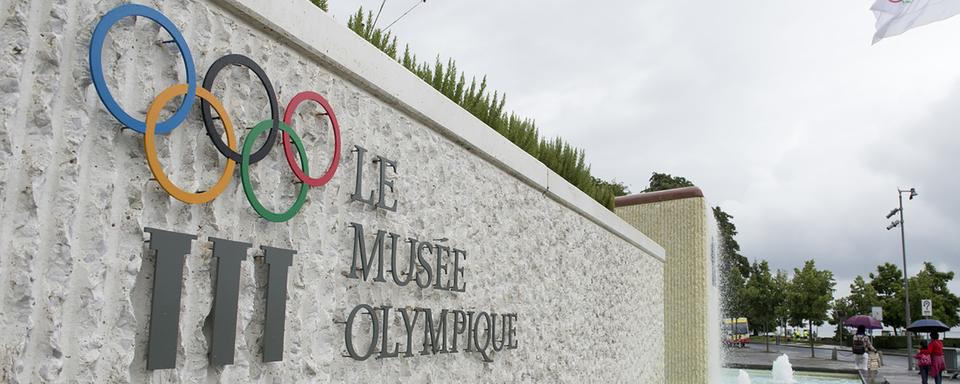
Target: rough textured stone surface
686	229
75	194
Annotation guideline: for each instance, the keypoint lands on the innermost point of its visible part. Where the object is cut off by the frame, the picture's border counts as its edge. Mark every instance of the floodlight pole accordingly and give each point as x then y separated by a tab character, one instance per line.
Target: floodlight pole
906	284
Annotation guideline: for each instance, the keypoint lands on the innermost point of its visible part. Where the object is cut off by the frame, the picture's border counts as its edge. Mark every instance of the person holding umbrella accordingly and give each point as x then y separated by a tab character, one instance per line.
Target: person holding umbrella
937	363
861	344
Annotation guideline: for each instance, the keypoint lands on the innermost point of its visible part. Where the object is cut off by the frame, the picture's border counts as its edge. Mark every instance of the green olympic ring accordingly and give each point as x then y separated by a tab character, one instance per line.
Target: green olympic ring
245	172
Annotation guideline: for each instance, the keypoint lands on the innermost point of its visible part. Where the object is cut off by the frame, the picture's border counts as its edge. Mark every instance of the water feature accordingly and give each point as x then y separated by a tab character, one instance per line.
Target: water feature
743	377
783	370
714	321
734	376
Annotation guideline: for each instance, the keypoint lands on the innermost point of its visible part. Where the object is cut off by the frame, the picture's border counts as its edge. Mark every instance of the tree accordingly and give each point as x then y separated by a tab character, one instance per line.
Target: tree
664	181
730	256
734	267
933	285
888	283
811	296
322	4
617	187
782	312
761	298
841	310
734	302
863	297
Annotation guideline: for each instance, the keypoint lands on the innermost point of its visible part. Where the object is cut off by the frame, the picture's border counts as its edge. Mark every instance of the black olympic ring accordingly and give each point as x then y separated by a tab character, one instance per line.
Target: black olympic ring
243	61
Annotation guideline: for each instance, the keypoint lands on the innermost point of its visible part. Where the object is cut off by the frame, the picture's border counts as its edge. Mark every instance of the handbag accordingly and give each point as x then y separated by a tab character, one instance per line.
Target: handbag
924	360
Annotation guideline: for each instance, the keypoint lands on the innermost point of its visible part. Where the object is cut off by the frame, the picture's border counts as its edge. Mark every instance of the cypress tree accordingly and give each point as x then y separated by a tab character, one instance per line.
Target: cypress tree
558	155
322	4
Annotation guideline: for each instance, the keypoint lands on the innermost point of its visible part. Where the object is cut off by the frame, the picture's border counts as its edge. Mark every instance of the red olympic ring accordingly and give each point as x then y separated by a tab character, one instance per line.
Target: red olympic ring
288	151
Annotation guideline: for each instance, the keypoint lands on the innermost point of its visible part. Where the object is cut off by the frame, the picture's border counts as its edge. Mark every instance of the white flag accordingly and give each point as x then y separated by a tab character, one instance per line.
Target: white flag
897	16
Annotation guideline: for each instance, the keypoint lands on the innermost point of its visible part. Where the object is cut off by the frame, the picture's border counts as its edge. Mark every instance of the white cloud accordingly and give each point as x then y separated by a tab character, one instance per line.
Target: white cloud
781	111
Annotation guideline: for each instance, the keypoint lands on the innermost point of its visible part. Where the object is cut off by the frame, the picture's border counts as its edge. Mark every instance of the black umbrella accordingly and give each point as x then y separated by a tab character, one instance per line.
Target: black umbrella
928	325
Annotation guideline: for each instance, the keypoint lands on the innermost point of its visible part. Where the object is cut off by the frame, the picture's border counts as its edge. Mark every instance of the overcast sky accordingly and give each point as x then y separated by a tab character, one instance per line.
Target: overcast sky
782	112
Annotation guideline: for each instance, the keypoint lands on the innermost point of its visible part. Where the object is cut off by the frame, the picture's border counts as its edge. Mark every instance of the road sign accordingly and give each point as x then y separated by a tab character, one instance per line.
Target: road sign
927	306
877	313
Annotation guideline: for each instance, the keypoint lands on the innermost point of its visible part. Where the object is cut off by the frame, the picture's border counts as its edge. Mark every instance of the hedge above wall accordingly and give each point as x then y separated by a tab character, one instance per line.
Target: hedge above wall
566	160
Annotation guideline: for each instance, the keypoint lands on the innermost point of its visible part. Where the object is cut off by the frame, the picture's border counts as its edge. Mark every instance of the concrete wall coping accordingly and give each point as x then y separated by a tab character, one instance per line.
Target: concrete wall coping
317	34
658	196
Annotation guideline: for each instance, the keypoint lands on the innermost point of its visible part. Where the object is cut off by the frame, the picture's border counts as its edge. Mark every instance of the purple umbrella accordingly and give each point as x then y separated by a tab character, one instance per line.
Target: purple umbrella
864	320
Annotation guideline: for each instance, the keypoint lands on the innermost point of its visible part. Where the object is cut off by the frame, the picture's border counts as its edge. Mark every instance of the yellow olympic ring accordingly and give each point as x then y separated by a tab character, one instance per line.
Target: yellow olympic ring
150	147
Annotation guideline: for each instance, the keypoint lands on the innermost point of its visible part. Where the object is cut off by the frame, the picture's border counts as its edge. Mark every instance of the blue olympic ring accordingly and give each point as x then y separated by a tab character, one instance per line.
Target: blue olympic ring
100	83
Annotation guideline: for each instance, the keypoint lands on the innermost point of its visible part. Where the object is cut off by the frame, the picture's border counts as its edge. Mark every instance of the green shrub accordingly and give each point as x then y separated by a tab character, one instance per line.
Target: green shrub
893	342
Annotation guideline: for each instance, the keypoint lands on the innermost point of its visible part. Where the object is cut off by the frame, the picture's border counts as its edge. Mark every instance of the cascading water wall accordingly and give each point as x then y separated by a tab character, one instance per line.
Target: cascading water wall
682	222
713	300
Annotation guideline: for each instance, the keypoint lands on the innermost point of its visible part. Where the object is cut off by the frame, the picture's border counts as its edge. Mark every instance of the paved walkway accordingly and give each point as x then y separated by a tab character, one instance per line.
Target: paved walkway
894	368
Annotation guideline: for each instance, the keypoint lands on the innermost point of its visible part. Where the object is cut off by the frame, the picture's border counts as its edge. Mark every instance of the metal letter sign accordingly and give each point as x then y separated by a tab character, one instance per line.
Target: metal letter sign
384	163
926	305
190	92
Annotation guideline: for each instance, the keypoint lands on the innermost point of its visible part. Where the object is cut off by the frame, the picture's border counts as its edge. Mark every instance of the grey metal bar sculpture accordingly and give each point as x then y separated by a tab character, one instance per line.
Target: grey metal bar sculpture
229	255
170	249
279	261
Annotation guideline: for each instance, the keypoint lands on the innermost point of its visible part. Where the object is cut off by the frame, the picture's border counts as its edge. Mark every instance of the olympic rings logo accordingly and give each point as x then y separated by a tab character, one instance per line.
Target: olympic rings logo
150	127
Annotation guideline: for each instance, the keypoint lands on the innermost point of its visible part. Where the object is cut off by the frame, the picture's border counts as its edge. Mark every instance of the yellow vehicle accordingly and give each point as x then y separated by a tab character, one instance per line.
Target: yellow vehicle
796	334
736	332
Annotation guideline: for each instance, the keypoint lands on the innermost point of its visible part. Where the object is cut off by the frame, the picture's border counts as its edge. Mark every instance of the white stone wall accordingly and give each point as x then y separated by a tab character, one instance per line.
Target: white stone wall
75	194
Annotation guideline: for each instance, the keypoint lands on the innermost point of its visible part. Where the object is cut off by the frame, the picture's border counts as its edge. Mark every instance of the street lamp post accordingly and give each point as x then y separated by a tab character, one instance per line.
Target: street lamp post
903	247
